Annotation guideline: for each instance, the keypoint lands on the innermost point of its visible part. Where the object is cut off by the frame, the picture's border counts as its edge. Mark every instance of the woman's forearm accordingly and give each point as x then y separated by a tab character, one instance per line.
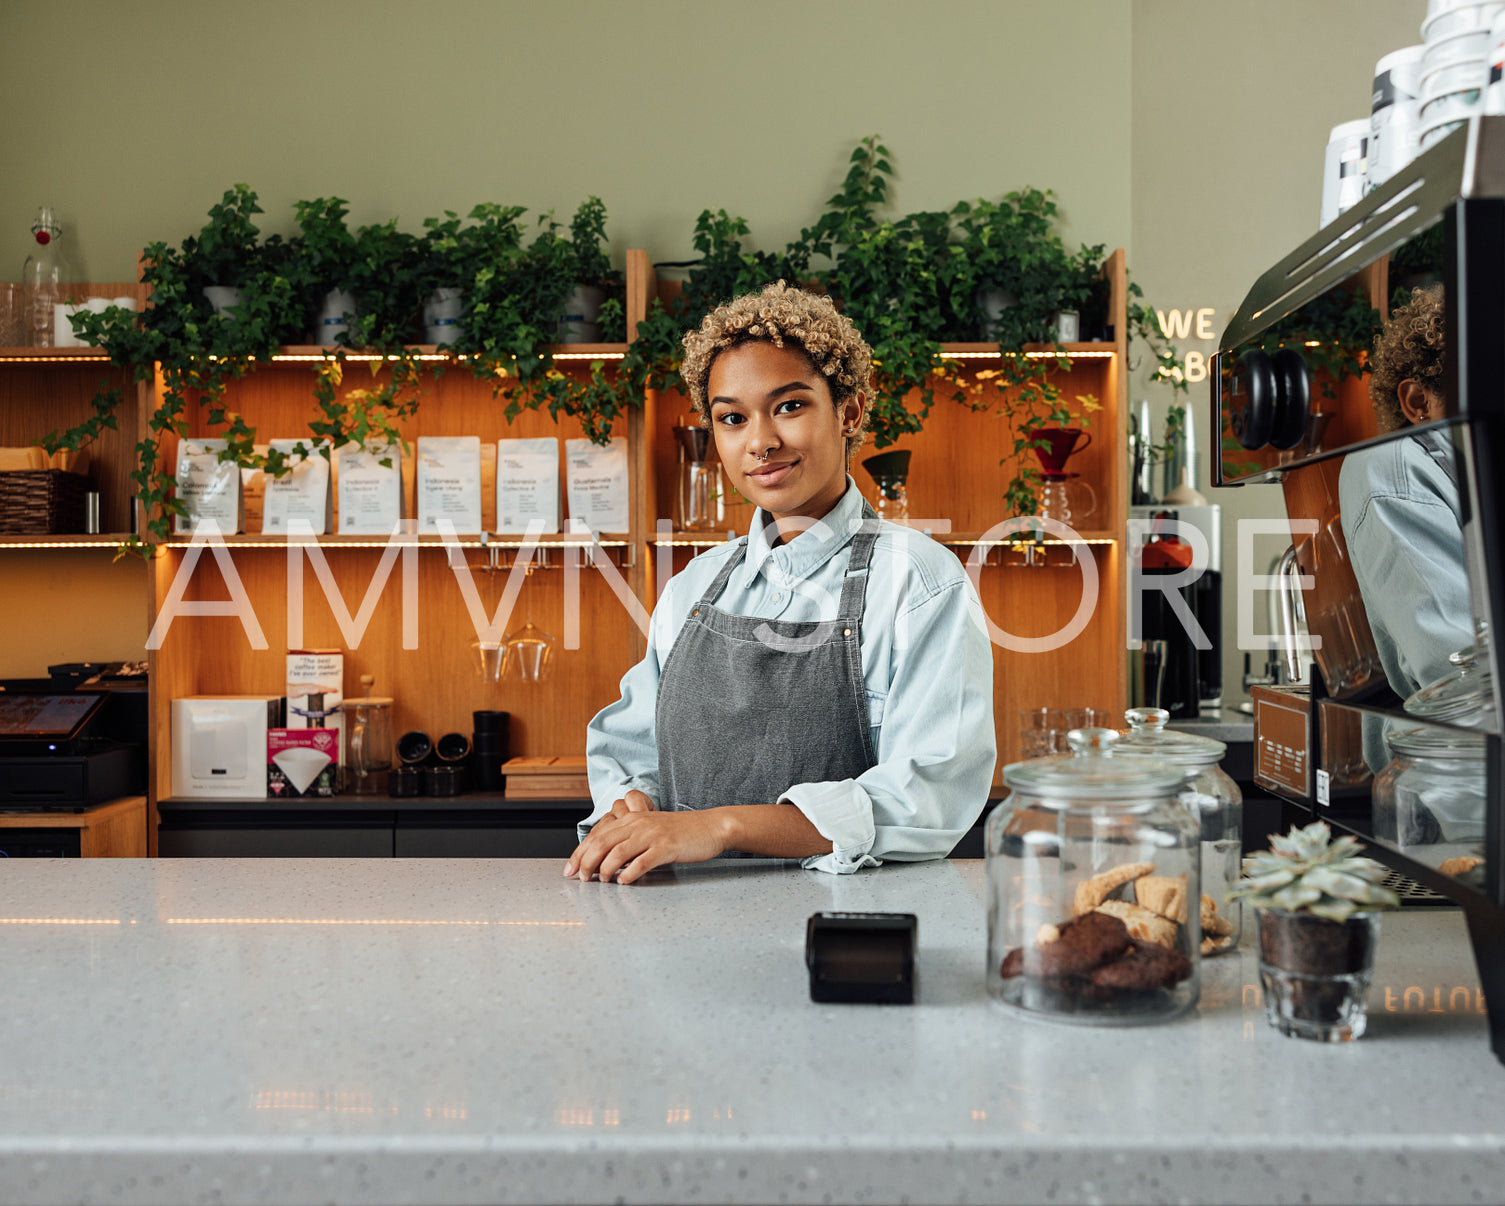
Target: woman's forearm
777	830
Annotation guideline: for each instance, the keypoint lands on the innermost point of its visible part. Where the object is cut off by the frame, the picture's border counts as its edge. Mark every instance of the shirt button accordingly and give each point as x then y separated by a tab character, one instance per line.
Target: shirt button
778	598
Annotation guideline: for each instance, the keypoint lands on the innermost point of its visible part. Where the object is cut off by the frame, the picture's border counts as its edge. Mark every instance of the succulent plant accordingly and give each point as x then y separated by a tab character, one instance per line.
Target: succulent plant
1305	871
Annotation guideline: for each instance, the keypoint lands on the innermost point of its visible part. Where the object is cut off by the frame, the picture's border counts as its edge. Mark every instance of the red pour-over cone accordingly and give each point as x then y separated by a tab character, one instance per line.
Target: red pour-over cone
1061	443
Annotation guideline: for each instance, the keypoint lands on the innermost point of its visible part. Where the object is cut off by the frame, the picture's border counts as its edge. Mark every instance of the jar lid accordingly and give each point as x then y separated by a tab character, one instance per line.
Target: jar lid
1463	696
366	701
1148	737
1091	772
1435	743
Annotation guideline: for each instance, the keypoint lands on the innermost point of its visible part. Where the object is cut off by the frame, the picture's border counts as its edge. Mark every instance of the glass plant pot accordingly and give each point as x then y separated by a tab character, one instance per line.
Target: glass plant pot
1316	973
1091	864
1214	799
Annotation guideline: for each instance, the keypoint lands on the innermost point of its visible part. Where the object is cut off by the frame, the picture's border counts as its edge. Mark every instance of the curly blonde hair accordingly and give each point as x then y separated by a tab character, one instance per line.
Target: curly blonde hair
783	316
1411	345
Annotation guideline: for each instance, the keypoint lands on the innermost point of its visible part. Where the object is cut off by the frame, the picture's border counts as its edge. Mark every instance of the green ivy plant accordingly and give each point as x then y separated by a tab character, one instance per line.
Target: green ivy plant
515	293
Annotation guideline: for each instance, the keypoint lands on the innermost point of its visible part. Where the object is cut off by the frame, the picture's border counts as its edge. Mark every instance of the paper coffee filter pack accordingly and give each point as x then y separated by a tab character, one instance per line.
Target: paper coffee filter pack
301	765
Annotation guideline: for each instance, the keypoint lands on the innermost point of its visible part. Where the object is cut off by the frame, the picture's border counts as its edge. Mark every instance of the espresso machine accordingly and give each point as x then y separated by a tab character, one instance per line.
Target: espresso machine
1404	664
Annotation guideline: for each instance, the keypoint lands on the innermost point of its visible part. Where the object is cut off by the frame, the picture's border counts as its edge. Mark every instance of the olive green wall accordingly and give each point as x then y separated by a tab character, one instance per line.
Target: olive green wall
1149	118
1232	106
140	115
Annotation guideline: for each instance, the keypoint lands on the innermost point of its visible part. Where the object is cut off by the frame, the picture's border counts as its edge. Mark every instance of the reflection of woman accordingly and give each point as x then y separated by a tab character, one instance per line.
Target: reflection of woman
1401	513
820	688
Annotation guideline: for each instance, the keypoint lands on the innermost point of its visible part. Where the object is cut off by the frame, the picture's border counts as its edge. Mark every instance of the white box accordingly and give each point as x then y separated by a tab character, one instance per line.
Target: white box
219	745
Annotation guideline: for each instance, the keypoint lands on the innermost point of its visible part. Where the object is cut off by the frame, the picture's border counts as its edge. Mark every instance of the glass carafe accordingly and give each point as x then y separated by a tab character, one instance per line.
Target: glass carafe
1093	876
368	742
699	503
1067	499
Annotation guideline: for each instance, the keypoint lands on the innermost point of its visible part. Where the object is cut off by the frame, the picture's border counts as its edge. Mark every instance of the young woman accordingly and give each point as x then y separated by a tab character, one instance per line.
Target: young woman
819	689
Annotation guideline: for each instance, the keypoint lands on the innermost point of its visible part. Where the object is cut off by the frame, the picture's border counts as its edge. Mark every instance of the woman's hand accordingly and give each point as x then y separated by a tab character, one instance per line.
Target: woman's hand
634	837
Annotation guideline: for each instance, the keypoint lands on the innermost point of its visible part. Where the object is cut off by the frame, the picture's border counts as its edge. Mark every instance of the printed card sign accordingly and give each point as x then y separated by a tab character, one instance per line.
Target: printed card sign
302	493
449	483
527	484
597	485
370	492
207	486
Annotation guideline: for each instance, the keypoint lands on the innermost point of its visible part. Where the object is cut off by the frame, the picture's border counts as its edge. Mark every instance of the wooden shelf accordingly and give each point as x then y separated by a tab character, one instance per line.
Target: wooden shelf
68	540
682	539
550	540
54	355
1075	351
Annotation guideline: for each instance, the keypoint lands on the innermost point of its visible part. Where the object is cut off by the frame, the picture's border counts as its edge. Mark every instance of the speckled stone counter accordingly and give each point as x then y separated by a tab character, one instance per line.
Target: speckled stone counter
472	1032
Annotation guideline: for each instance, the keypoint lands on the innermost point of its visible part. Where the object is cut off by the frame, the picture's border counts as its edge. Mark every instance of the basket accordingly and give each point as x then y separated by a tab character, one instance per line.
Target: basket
41	502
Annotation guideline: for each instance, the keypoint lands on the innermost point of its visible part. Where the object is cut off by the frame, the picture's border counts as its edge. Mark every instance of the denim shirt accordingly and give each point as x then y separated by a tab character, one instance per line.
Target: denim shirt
1403	523
927	667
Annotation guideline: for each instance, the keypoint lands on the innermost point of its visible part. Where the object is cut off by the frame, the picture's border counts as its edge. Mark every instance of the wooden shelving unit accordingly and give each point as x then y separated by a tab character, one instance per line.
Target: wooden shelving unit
957	474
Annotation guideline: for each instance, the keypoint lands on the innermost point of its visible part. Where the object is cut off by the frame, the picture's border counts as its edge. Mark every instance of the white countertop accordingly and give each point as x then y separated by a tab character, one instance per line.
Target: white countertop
473	1031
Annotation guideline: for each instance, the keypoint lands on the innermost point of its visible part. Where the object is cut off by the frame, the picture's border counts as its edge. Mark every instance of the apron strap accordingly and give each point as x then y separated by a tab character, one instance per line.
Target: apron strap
718	584
853	587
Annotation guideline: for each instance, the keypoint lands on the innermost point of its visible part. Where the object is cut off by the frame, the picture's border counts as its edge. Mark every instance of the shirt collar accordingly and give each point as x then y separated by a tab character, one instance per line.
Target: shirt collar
813	547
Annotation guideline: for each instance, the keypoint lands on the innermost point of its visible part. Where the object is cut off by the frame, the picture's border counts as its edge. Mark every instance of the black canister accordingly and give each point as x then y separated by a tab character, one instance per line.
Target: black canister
452	747
490	747
443	780
414	748
404	782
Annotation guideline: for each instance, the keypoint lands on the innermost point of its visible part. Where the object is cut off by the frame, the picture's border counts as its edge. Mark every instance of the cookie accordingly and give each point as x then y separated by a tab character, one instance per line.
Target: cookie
1092	892
1211	946
1461	865
1213	922
1145	965
1140	922
1163	894
1083	943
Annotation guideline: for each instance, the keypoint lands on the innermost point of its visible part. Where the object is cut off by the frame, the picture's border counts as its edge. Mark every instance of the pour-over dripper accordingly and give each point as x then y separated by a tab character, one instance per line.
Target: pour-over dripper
890	472
694	442
1060	445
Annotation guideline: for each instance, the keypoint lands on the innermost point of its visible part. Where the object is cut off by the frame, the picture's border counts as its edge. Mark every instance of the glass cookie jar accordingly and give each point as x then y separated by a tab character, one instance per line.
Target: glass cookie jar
1091	864
1215	800
1431	794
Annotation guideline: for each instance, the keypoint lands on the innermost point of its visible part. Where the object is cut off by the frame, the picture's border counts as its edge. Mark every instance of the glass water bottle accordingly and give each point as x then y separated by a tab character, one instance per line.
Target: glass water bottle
42	279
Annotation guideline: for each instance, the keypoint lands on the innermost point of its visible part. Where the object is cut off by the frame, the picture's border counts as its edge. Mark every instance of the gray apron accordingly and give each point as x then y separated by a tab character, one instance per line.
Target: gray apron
748	707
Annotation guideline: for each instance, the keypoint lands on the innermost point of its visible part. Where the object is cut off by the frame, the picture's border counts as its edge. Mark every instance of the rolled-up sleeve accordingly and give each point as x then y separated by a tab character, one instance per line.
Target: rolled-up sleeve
934	743
621	744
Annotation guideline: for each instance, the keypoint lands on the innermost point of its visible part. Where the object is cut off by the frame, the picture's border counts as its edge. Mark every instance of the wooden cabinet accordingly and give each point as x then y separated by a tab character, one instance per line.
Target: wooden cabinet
958	474
113	830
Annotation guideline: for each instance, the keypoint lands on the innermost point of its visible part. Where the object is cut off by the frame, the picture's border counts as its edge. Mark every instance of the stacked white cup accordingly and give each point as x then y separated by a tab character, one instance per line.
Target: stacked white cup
1454	64
1494	94
1394	114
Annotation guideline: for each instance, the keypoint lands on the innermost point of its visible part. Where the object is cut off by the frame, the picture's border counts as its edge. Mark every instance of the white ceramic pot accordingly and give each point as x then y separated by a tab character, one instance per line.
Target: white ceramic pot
441	316
338	304
578	322
222	298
